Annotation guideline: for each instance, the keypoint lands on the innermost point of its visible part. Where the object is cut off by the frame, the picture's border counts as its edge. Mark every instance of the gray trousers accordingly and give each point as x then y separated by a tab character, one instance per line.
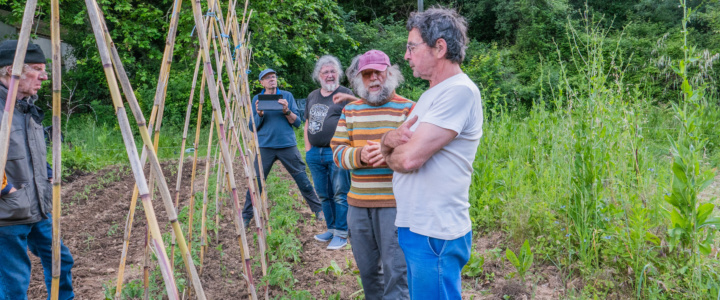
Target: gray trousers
374	241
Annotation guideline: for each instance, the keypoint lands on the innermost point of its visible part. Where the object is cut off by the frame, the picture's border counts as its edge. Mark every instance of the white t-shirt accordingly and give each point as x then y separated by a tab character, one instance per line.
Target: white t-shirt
433	200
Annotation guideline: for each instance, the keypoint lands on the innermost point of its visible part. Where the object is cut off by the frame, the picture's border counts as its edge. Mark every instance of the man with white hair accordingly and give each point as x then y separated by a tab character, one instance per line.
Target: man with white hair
25	210
331	183
371	214
432	155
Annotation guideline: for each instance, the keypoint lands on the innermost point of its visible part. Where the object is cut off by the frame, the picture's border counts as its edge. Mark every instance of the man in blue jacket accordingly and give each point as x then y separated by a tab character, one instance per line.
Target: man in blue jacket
277	142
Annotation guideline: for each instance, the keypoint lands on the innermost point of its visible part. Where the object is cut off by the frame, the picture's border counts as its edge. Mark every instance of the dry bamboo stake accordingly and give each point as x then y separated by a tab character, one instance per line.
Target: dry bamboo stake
56	146
146	266
156	170
188	111
191	205
191	195
182	155
162	82
129	141
218	164
124	123
203	228
257	205
245	92
239	227
18	64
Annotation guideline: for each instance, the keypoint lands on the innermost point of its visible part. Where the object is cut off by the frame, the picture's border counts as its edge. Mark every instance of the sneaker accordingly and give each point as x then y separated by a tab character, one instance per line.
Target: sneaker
324	237
337	243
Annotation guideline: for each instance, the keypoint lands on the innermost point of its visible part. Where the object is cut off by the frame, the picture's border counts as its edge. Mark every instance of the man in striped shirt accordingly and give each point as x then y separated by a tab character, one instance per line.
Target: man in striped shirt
371	211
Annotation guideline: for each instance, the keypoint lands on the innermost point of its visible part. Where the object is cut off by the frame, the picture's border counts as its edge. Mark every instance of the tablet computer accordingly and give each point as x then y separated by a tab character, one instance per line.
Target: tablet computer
269	102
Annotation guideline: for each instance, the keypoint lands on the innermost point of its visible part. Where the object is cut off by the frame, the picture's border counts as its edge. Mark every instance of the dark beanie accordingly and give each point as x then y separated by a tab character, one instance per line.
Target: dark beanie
34	54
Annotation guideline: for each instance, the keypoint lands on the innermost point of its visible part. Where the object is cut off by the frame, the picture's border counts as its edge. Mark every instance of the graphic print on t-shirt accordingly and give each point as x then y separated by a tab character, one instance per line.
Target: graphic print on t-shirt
317	117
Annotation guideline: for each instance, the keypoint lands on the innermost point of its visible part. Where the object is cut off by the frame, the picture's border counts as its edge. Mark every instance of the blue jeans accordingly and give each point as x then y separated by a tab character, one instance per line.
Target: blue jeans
331	185
15	240
434	265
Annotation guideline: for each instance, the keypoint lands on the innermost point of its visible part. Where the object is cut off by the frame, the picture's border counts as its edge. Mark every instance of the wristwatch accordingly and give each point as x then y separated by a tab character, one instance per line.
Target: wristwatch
288	112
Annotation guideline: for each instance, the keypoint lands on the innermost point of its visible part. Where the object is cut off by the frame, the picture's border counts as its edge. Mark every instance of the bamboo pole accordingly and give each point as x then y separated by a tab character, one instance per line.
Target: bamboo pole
156	241
156	170
158	105
56	145
196	144
182	155
256	201
239	227
257	205
191	195
129	141
159	102
186	127
218	164
146	266
203	227
18	64
239	38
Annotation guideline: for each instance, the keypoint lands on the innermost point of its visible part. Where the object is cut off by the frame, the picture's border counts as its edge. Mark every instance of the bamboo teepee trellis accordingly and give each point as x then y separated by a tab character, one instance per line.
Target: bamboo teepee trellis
230	122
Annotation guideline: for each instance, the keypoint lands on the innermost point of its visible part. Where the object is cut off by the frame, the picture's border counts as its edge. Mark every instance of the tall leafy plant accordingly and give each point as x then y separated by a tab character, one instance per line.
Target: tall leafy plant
692	224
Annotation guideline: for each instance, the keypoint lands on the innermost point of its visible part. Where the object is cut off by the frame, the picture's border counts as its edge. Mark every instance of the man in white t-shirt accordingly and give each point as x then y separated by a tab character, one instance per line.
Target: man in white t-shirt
432	155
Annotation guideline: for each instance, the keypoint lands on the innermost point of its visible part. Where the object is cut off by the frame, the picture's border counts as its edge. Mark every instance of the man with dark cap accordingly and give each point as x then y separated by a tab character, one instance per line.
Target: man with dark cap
277	142
25	219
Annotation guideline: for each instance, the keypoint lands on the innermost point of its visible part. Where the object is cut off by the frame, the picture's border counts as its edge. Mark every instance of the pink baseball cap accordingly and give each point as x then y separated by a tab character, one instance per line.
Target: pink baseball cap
373	59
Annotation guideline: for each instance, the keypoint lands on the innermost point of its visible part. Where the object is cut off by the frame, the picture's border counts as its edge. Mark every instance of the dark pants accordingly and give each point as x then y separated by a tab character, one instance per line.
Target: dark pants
374	240
332	185
15	241
293	163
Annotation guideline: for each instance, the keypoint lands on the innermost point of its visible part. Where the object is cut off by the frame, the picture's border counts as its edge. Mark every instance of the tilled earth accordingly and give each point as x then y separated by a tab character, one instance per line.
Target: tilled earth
96	205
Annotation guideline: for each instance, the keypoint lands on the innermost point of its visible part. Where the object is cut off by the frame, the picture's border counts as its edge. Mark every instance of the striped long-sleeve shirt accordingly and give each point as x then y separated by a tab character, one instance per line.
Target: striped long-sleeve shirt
360	122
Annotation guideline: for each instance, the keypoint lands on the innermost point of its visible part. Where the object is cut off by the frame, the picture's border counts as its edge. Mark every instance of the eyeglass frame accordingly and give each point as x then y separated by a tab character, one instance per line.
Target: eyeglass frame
411	47
333	72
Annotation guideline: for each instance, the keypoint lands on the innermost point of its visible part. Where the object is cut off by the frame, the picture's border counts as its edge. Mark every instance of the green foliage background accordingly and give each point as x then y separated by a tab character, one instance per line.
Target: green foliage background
581	98
511	41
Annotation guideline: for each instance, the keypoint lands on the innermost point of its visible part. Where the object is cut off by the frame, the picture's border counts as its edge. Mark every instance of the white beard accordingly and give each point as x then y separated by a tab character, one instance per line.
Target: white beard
330	87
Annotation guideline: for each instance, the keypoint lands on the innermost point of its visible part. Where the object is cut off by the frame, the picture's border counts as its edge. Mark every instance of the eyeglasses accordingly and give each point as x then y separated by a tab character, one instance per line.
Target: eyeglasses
330	72
411	46
268	77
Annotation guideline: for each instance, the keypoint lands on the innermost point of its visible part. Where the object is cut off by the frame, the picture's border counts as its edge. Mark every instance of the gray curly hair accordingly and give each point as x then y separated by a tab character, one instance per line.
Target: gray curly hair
327	60
442	23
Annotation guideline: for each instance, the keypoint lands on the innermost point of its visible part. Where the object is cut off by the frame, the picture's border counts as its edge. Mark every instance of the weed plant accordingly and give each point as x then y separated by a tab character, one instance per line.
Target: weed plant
583	174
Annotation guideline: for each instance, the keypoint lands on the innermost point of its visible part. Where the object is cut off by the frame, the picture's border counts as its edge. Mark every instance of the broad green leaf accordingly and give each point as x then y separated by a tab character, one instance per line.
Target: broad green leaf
703	211
512	258
704	248
677	219
712	221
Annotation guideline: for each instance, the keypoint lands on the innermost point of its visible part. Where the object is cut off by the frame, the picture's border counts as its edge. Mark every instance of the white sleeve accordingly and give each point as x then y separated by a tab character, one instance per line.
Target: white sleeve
451	109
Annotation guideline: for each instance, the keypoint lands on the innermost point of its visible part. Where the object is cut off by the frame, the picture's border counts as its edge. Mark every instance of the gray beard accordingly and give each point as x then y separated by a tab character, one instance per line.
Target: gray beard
329	87
379	98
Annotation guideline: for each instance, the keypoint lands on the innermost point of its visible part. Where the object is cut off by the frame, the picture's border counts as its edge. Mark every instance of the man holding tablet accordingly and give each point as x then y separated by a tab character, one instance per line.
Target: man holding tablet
275	115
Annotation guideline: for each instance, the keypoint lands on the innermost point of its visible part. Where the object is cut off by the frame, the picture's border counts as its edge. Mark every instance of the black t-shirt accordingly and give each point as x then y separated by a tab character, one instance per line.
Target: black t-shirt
322	116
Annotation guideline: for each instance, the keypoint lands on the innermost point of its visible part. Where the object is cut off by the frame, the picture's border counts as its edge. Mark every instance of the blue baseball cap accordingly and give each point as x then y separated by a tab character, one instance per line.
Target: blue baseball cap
265	72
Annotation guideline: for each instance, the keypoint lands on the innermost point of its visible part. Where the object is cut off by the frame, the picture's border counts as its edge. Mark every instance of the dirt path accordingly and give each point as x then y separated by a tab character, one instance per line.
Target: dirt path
96	205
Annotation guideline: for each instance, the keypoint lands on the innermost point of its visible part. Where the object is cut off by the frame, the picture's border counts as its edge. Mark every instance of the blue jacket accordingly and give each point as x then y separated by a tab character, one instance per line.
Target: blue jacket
273	129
